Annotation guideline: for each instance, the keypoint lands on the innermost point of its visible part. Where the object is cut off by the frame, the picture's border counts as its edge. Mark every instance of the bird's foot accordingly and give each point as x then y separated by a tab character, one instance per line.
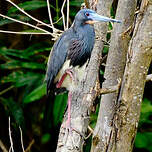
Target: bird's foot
67	126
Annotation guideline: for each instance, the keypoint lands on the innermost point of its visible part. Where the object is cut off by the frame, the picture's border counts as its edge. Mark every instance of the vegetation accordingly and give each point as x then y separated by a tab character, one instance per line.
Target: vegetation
23	60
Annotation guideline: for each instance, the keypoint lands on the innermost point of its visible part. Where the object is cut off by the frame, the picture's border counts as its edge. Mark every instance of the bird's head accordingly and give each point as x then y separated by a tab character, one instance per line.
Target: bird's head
88	16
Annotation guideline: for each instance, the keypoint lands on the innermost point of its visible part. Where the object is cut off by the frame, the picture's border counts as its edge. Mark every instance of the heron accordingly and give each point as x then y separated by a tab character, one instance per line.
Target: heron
70	54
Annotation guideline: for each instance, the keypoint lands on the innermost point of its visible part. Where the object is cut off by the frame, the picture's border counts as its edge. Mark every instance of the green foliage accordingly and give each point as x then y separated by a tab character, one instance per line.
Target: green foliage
28	6
45	138
24	67
59	108
146	112
22	86
14	109
36	94
143	140
143	137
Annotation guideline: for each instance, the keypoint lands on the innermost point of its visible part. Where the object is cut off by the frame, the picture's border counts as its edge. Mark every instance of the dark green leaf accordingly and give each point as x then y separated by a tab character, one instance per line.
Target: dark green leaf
45	138
36	94
59	108
20	79
15	109
143	140
28	5
18	64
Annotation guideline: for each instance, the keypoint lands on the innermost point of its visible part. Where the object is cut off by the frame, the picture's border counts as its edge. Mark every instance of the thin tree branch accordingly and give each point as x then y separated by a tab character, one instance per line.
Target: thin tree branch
49	12
33	18
62	12
7	89
24	33
67	14
30	145
21	139
58	21
111	89
3	147
11	141
28	24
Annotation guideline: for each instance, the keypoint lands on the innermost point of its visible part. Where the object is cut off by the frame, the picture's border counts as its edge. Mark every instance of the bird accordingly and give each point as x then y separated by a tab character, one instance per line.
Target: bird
71	53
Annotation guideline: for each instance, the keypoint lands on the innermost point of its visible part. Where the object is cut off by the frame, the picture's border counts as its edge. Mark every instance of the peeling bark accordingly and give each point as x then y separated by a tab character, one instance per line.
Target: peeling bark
83	97
114	70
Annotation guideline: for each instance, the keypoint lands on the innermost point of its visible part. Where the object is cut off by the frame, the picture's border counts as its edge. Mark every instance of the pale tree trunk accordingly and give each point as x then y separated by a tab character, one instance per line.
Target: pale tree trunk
114	70
83	97
119	114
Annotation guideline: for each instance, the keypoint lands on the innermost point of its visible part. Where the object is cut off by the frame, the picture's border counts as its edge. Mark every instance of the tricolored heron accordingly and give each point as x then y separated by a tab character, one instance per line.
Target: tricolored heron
71	52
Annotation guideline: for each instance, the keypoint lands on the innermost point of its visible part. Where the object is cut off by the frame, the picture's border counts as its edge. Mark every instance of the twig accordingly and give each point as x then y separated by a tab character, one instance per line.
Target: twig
21	139
30	145
28	24
7	89
3	147
58	21
33	18
63	17
11	141
67	14
149	77
91	132
49	12
25	33
111	89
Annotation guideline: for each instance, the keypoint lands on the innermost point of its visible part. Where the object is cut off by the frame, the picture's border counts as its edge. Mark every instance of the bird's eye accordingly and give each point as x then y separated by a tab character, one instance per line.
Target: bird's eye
87	14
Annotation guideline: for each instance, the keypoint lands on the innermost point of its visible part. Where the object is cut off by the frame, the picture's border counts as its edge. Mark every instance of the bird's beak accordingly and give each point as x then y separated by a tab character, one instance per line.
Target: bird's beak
94	17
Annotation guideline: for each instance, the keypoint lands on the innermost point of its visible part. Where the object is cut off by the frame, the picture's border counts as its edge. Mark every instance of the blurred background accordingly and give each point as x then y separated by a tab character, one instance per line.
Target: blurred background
23	60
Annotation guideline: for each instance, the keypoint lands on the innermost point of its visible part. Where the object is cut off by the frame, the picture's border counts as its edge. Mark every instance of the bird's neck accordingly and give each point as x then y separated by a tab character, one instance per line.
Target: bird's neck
83	29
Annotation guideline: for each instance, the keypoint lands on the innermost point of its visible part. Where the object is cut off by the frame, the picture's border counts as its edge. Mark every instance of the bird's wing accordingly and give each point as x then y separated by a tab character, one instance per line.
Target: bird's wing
78	52
56	59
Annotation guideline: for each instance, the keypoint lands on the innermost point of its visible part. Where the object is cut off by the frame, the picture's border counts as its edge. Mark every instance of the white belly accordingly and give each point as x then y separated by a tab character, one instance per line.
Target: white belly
78	73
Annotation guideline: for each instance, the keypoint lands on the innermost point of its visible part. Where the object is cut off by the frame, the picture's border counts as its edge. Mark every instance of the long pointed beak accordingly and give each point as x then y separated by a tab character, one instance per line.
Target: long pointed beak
96	17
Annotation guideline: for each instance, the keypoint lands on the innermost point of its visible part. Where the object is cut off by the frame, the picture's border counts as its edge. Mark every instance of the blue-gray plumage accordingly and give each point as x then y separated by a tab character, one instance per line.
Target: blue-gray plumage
71	52
75	44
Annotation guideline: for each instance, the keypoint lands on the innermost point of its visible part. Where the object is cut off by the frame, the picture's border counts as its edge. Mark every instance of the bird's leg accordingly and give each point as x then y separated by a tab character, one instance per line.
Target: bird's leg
67	72
58	85
69	111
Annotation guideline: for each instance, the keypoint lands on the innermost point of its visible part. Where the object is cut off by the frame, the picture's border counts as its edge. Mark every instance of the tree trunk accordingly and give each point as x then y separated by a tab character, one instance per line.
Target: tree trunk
83	97
118	116
139	59
114	70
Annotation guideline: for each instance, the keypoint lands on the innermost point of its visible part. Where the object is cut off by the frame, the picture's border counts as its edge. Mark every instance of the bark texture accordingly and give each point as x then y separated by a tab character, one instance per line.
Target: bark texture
83	97
139	59
119	116
114	70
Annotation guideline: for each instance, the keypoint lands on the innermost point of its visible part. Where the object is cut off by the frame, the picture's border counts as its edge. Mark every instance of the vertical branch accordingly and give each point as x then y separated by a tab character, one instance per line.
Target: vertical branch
83	97
49	12
139	59
10	136
105	131
62	12
22	139
67	14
